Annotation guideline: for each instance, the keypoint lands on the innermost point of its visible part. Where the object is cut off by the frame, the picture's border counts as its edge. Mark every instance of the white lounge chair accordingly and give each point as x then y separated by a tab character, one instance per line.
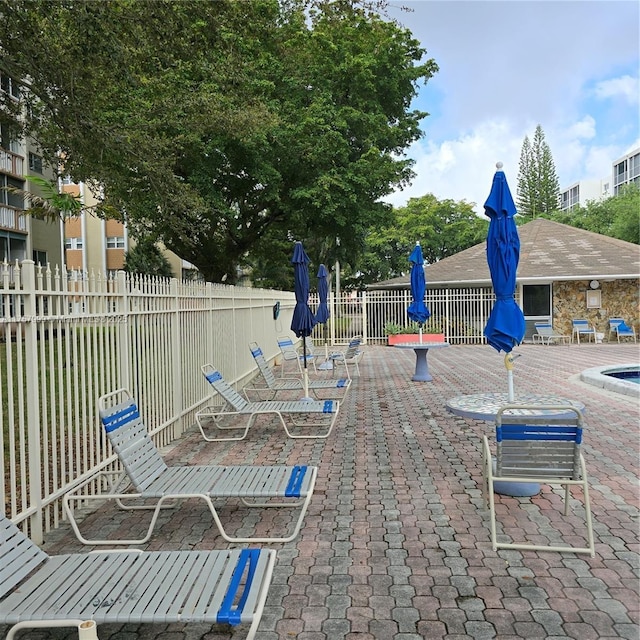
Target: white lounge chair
621	329
271	385
540	444
546	335
350	356
582	328
304	415
83	590
147	477
292	354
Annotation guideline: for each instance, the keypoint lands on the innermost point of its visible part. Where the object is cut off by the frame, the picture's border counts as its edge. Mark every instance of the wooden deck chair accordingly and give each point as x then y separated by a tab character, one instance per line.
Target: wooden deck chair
621	329
582	328
83	590
307	417
146	477
546	335
539	444
350	356
268	385
292	354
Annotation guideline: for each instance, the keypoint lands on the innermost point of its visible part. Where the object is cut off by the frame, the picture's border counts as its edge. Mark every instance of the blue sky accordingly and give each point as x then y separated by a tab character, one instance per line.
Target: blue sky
506	66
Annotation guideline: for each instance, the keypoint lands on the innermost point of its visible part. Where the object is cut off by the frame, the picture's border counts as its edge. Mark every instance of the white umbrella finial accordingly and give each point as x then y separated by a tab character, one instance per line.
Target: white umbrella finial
498	165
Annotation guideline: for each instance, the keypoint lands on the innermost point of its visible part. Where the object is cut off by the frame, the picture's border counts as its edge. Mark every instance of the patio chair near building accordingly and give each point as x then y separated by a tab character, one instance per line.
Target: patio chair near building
146	477
312	419
267	383
619	328
537	444
581	328
160	587
546	335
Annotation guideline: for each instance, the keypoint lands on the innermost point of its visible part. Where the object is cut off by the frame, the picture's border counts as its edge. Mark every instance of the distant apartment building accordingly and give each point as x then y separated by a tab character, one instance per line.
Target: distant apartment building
96	245
22	236
625	170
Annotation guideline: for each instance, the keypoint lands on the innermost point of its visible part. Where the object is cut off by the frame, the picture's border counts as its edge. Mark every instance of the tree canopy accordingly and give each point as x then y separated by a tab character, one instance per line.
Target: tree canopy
224	129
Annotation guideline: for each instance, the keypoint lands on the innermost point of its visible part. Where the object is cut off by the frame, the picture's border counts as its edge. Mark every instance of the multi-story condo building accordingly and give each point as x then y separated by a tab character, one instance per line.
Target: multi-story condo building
626	170
23	236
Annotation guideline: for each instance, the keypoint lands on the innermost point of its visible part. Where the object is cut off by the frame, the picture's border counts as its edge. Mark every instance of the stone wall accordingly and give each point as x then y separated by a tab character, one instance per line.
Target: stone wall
620	299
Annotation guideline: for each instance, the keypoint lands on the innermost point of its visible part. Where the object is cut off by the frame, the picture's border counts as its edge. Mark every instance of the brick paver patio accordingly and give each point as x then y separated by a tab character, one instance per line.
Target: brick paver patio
395	545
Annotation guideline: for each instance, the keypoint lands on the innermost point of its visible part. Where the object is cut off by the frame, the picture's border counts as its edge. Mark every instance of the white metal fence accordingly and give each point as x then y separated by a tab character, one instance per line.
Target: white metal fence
68	338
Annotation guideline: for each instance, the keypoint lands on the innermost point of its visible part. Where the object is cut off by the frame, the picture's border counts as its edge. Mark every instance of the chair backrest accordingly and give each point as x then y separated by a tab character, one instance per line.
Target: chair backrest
263	366
544	444
287	347
354	347
582	325
226	391
544	328
19	556
130	439
619	326
614	322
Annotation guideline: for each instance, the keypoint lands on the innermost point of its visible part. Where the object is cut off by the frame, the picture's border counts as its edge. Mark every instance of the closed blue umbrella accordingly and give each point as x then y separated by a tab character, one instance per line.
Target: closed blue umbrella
303	319
417	310
322	312
506	326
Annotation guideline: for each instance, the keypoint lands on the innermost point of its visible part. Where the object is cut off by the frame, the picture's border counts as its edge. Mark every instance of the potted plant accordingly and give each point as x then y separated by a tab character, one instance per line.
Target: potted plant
398	334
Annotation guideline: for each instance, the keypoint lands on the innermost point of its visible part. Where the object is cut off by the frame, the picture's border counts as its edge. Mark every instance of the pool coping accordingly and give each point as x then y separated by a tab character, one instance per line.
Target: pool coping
596	377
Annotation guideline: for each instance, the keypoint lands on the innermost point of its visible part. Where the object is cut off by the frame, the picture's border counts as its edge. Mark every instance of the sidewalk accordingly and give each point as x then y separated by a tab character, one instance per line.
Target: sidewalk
395	545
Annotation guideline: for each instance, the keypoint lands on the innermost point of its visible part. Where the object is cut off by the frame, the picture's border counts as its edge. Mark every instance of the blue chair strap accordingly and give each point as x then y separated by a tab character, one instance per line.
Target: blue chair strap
118	419
328	406
228	613
295	481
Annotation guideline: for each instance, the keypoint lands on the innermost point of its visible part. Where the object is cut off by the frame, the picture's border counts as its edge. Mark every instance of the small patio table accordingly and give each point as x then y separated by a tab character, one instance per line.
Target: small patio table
421	348
484	406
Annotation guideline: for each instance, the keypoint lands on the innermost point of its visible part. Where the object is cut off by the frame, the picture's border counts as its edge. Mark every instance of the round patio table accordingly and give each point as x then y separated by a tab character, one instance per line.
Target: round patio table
421	348
484	406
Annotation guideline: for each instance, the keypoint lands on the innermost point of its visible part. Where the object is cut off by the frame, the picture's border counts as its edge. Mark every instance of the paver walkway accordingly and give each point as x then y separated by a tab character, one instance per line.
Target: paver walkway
395	545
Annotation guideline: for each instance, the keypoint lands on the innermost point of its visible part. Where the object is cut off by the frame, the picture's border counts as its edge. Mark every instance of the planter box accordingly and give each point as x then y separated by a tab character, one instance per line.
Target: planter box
414	337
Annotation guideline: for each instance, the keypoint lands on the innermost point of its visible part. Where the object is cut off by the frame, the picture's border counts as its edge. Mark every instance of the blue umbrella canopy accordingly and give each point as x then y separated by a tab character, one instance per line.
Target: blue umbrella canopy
322	312
417	310
303	319
506	326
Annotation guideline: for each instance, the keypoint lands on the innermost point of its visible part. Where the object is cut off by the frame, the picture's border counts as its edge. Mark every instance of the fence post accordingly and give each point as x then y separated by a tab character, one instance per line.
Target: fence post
176	354
124	334
32	408
365	333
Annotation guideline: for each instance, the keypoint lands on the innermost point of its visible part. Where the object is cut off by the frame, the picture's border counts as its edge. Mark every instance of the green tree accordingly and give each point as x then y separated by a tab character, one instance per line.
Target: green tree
443	228
538	184
146	258
223	127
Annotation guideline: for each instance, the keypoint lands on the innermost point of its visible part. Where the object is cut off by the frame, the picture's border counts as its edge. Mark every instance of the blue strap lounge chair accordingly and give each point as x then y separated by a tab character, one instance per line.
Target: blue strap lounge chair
292	354
268	384
307	416
538	444
621	329
350	356
546	335
582	328
147	477
83	590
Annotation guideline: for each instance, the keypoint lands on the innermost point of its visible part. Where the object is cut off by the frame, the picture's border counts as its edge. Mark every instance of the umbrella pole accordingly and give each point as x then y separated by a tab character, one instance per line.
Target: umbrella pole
508	363
305	374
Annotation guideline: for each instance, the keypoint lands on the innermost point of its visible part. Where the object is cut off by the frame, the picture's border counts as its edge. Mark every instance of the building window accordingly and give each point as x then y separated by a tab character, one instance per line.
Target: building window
115	242
73	243
8	85
35	162
40	257
536	300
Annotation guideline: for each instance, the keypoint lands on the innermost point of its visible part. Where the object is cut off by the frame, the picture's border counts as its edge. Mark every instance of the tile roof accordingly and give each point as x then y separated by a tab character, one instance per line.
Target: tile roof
548	251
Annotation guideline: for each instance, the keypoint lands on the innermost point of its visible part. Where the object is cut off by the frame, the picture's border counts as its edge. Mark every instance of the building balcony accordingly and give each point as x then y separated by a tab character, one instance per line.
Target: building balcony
11	163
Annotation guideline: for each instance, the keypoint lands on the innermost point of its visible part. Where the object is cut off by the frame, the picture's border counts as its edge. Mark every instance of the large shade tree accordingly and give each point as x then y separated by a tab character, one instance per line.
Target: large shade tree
224	129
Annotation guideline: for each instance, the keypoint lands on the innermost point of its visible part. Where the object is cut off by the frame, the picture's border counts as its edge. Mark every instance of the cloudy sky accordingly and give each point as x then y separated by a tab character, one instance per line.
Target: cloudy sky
507	66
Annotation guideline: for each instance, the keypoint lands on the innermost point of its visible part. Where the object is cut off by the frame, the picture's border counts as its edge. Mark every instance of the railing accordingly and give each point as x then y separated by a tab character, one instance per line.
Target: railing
66	338
12	218
11	163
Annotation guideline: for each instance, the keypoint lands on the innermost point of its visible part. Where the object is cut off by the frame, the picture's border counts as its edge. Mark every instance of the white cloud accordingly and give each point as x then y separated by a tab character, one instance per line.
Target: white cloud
625	87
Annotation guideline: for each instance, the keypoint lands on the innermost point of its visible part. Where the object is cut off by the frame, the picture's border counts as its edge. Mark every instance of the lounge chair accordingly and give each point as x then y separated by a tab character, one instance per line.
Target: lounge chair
537	445
147	477
350	356
271	385
300	413
582	328
620	329
292	354
83	590
546	335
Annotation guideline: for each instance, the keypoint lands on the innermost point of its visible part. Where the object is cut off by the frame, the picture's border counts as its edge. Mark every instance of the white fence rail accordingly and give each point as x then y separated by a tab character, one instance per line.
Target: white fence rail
68	338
